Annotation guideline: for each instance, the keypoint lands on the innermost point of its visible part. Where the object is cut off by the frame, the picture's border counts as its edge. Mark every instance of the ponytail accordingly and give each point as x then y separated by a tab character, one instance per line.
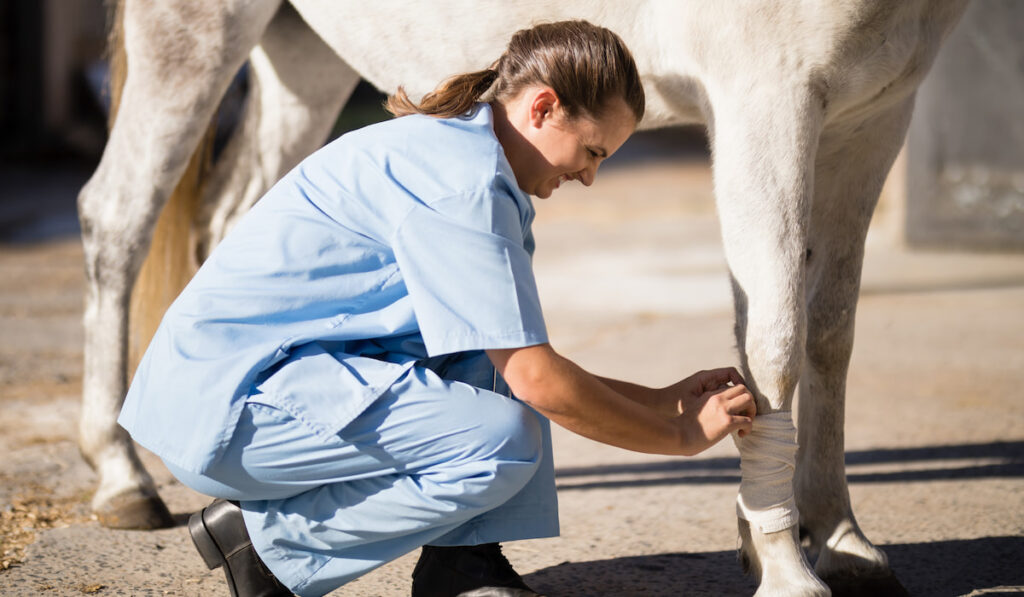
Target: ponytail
586	65
452	98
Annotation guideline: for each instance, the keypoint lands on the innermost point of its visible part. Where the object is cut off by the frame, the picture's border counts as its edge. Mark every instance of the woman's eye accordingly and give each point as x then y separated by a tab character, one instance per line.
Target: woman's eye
592	153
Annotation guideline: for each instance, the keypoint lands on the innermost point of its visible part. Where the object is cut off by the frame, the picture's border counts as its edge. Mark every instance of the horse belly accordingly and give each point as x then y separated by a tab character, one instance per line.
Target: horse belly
417	45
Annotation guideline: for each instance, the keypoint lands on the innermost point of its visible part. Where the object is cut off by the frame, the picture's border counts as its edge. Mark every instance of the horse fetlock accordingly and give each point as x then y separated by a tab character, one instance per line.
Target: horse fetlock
847	559
747	556
120	471
778	563
126	497
847	549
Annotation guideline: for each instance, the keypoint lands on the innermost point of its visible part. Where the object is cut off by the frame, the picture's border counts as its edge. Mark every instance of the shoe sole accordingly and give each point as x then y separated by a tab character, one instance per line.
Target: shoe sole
498	592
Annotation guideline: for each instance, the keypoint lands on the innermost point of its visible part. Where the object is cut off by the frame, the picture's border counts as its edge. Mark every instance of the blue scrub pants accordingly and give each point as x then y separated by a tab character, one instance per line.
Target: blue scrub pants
432	460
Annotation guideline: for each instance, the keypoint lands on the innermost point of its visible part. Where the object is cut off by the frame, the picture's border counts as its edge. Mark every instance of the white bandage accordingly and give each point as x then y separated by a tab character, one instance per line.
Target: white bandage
767	462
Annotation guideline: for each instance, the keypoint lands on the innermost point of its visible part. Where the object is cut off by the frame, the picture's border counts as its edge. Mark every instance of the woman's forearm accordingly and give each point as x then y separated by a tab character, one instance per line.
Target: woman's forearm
585	405
650	397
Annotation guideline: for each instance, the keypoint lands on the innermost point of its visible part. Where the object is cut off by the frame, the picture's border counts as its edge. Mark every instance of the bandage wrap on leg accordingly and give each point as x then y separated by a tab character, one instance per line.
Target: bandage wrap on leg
767	462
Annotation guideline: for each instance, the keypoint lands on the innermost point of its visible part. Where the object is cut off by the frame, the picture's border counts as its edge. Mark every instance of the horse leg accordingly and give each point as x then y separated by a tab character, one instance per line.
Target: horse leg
764	151
181	57
852	164
297	86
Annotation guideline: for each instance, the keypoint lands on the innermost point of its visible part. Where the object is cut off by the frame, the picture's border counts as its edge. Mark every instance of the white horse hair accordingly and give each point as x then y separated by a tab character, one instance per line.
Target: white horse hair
806	105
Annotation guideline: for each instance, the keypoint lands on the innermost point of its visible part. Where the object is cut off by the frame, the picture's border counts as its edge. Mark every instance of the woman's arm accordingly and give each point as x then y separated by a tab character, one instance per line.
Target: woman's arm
581	403
652	398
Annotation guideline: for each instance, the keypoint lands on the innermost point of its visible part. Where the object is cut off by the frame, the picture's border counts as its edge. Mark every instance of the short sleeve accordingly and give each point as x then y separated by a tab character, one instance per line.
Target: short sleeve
468	274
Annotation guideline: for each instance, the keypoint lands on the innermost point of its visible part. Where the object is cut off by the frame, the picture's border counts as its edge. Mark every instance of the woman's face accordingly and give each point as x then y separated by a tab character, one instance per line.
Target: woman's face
560	149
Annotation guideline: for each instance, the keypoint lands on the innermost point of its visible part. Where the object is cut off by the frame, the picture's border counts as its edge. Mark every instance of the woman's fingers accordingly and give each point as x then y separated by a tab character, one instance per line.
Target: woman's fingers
744	404
734	376
716	378
739	403
737	397
742	425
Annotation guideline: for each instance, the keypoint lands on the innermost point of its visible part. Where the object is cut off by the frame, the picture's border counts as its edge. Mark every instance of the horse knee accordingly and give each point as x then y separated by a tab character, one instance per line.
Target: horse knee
770	330
773	361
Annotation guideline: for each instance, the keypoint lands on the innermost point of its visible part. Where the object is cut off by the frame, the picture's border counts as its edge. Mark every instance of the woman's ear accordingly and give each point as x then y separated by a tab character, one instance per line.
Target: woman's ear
543	105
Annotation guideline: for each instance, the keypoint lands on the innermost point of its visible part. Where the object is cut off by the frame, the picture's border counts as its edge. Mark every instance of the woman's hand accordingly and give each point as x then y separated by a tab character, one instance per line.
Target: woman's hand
710	405
708	418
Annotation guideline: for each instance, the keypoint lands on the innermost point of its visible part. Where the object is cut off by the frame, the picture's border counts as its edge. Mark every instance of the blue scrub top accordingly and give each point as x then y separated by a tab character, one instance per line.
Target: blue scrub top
397	242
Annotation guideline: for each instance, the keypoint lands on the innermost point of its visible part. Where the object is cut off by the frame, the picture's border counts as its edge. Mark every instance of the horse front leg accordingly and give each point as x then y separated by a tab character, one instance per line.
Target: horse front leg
180	62
852	164
763	167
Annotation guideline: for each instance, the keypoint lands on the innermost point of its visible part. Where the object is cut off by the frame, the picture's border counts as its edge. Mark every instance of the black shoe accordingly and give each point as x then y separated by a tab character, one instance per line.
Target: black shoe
467	571
219	534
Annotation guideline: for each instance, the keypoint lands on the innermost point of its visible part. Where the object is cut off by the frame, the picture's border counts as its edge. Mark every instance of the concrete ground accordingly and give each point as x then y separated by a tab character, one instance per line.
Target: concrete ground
634	285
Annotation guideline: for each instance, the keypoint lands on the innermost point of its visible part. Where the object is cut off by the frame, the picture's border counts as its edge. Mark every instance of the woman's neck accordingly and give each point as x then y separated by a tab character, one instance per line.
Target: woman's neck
512	141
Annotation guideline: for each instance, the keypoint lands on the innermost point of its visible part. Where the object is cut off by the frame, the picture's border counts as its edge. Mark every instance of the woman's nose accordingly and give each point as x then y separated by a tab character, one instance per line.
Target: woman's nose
587	175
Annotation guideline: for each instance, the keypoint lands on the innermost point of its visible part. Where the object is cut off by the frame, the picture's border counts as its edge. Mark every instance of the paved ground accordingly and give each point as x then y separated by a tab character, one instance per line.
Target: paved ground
634	285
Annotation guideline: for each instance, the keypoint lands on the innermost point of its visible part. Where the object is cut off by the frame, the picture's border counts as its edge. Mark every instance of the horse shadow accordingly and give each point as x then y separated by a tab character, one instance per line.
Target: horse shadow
984	566
995	460
980	566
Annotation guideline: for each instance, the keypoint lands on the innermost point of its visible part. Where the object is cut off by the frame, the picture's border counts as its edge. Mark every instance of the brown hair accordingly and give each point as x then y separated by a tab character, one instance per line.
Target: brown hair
586	65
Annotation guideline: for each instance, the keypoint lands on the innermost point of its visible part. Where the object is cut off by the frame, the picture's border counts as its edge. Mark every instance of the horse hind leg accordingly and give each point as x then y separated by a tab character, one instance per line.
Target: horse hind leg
297	86
180	62
851	170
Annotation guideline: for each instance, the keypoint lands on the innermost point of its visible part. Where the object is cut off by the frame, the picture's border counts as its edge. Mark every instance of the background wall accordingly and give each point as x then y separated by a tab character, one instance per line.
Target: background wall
965	149
50	77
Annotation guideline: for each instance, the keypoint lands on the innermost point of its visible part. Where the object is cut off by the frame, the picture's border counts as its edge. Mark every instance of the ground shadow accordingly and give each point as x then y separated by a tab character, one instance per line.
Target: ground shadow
708	573
988	566
1002	460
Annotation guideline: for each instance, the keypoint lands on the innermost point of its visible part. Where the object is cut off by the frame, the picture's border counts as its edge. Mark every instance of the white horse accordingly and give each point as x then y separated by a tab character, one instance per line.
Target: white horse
806	105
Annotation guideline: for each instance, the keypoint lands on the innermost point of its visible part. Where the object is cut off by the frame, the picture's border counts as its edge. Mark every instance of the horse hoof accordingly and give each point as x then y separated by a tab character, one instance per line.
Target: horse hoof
854	586
135	510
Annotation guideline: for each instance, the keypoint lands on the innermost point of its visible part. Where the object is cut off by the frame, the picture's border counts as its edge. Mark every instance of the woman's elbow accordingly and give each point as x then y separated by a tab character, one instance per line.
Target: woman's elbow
530	372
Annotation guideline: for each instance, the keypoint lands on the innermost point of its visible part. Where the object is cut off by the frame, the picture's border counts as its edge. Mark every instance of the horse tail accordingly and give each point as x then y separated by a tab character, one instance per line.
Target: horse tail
171	261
